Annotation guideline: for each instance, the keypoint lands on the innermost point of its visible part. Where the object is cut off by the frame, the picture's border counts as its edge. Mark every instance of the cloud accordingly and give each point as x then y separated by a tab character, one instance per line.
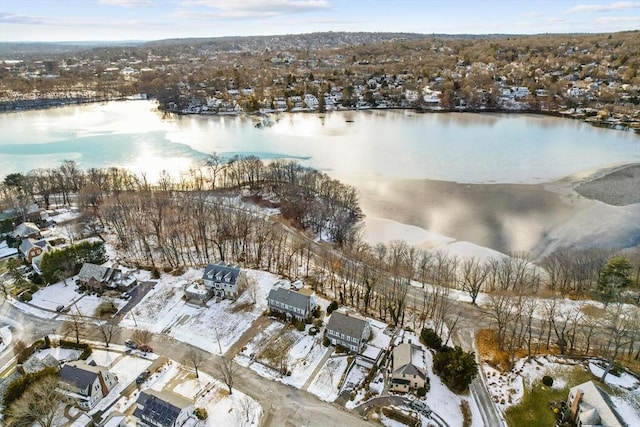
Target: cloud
613	7
10	18
127	3
556	20
247	9
532	15
617	19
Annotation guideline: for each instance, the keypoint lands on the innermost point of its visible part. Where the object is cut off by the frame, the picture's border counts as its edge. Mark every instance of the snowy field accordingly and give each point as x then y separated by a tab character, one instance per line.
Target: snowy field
304	354
214	327
325	384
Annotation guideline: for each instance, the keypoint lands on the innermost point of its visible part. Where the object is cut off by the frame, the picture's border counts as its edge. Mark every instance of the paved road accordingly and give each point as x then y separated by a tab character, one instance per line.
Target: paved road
283	405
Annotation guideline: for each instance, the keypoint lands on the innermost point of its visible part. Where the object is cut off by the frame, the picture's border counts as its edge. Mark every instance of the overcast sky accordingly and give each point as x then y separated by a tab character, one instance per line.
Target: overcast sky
76	20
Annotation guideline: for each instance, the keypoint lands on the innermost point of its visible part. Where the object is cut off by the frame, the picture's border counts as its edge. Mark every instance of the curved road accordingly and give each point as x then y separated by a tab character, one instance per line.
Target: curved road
283	405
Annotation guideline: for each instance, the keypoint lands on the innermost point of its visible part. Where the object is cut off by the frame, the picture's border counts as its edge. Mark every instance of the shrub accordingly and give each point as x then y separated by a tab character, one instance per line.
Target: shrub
86	348
33	288
155	273
332	307
431	339
201	413
37	279
106	309
326	342
421	392
547	380
25	296
299	326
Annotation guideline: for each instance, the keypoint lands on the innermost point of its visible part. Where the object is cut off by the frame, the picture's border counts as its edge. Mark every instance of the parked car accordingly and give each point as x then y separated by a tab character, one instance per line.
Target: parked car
143	376
145	348
131	344
60	308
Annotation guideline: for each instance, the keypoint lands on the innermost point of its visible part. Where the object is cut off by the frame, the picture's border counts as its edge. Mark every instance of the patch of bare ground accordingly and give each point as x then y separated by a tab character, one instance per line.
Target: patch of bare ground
619	187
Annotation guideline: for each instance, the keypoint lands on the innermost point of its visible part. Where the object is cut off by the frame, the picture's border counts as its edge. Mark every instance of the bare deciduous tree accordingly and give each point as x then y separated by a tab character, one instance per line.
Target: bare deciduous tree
39	405
107	331
195	358
74	325
142	337
228	370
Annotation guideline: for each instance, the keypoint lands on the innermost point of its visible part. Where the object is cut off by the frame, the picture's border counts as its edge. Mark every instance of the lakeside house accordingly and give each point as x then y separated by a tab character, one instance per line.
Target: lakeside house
592	406
294	304
408	368
222	280
348	331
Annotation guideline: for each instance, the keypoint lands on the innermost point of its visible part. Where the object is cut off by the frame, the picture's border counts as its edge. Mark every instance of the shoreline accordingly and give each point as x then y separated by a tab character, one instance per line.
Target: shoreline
34	105
535	218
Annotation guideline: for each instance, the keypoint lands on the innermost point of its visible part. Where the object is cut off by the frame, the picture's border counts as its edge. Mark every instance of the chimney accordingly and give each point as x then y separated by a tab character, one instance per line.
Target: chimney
576	401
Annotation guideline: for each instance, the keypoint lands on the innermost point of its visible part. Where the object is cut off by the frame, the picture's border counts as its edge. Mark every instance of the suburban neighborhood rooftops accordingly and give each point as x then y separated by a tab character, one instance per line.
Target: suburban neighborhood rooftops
93	271
79	374
290	297
347	324
162	407
221	273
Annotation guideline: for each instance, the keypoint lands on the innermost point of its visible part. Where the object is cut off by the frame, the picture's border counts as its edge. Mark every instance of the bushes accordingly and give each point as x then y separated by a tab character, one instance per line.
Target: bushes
456	368
86	348
201	413
106	309
155	273
66	262
28	351
26	296
421	392
547	380
326	342
431	339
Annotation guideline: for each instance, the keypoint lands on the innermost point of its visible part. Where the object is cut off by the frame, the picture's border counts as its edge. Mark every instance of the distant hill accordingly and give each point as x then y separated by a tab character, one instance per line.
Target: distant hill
20	50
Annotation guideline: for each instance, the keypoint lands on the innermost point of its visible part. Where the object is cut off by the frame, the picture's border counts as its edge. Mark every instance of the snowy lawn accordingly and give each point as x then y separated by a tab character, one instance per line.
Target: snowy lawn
52	296
325	384
236	409
214	327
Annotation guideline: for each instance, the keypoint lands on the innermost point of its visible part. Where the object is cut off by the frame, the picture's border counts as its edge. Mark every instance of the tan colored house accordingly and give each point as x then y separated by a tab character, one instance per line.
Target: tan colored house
591	406
409	371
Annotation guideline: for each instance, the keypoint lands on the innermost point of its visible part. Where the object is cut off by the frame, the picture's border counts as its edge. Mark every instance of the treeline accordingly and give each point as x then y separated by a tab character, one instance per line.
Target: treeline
311	200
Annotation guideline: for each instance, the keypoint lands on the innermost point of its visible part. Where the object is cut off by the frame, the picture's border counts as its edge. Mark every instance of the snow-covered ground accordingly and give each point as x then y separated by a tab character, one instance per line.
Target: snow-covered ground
507	389
7	337
325	384
213	328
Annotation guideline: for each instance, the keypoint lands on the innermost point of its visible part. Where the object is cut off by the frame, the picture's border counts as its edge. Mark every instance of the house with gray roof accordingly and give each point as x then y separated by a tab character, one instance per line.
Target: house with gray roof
86	384
348	331
99	278
408	368
294	304
222	280
592	406
162	409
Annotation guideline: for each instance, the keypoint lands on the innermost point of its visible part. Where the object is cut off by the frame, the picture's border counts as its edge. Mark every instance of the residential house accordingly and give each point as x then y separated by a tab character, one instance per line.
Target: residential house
25	230
162	409
198	292
86	384
7	252
99	278
294	304
591	406
31	248
222	280
348	331
409	370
